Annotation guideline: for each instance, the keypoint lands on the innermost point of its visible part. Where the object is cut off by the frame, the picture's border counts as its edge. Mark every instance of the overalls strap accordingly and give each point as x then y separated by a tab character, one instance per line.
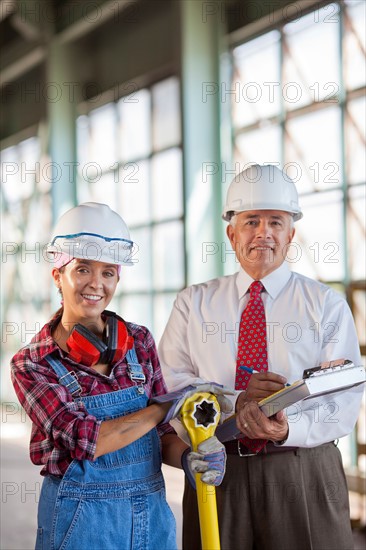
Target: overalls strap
65	377
135	371
70	381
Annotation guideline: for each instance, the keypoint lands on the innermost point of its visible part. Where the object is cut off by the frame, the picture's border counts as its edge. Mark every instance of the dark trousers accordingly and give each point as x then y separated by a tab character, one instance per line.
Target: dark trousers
296	500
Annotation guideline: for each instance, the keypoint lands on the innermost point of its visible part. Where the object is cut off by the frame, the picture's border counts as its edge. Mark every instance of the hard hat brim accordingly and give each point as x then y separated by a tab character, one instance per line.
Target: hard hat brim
229	213
94	247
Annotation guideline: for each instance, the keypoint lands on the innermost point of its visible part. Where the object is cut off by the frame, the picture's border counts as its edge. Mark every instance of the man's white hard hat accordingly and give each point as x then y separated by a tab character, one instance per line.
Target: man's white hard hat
261	187
92	231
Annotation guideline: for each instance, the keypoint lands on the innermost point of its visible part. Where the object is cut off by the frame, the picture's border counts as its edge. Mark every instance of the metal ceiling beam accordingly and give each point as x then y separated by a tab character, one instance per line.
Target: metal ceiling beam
273	15
97	17
21	61
29	32
22	65
7	8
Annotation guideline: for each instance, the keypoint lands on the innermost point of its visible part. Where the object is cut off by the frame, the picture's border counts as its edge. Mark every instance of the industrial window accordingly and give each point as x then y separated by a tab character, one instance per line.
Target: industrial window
129	154
25	226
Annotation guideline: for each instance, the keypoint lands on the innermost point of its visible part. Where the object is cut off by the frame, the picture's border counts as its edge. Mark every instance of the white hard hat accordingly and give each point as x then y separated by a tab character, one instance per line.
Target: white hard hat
92	231
262	188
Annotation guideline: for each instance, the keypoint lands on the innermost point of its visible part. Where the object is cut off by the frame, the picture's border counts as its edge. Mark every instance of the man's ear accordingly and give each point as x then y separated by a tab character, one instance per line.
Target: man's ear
292	234
230	234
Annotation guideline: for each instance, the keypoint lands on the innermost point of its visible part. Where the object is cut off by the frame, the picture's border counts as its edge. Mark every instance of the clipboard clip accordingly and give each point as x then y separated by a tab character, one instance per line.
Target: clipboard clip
326	366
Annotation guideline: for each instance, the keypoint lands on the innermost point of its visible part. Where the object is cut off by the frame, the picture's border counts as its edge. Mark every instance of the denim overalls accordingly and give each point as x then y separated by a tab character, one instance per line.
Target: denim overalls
116	502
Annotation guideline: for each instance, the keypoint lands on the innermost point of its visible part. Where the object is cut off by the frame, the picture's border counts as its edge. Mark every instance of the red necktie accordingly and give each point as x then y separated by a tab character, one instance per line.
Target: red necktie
252	348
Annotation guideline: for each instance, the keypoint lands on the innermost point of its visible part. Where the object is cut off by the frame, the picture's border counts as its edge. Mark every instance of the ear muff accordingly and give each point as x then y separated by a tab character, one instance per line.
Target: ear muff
86	348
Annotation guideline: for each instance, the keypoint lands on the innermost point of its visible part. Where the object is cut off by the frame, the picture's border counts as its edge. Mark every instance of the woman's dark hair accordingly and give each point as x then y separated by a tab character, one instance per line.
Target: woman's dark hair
60	311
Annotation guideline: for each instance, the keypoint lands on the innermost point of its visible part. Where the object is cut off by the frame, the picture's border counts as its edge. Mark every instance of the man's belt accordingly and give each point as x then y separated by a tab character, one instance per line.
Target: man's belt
235	447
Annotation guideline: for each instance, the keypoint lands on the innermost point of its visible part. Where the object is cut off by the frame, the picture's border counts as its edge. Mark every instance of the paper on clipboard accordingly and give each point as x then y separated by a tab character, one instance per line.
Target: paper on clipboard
329	377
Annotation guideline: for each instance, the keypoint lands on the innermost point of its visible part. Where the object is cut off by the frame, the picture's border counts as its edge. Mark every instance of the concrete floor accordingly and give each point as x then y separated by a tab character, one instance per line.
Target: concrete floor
21	483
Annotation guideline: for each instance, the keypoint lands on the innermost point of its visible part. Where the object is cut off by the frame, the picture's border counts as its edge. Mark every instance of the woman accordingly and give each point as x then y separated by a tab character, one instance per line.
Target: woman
85	381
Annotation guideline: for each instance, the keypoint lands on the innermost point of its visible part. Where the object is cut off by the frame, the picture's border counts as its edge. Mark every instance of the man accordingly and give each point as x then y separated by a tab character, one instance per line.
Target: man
284	487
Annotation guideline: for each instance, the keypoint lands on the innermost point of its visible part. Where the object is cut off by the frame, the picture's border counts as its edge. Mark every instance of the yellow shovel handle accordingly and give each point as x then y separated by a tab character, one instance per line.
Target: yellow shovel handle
200	415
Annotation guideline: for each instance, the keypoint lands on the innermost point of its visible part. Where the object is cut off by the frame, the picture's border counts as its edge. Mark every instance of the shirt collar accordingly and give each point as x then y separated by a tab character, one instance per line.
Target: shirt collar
43	343
273	283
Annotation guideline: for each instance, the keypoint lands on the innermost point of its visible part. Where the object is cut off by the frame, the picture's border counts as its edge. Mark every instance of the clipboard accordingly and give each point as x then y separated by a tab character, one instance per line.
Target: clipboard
328	377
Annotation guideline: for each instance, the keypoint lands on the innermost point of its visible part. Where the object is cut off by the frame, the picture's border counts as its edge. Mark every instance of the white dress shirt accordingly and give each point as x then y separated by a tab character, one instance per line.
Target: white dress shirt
307	323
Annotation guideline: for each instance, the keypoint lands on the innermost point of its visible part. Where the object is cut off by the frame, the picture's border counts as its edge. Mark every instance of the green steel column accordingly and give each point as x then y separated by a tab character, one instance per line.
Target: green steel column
201	36
62	94
61	90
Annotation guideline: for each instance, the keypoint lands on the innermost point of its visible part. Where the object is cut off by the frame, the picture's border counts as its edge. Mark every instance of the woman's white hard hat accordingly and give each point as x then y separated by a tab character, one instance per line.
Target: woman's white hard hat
92	231
262	187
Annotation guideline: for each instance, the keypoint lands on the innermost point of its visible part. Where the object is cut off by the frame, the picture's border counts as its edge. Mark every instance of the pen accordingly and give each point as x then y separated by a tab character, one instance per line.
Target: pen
251	371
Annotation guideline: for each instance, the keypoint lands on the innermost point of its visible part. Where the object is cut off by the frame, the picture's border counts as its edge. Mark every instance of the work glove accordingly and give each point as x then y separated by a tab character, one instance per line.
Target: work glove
209	460
177	398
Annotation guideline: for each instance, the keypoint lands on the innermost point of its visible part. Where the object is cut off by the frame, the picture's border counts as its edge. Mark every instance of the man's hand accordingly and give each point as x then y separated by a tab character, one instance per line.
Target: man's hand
261	385
254	424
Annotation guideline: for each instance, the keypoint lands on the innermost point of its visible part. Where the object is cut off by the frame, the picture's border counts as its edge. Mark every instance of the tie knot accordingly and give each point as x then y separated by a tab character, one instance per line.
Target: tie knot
255	289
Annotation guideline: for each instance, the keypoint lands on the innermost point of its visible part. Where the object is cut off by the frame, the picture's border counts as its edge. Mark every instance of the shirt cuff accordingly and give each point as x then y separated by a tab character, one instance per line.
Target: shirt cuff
165	429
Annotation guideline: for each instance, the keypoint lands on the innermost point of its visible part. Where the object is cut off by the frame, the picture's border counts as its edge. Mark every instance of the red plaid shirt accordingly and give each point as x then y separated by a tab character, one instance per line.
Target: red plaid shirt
62	428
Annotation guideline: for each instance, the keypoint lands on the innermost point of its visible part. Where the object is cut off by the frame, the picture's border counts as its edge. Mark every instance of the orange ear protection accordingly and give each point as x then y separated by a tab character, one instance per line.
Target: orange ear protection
86	348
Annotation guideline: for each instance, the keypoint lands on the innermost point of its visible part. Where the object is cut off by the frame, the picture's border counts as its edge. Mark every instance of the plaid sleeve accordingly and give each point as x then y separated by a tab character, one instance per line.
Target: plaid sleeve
62	424
158	385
